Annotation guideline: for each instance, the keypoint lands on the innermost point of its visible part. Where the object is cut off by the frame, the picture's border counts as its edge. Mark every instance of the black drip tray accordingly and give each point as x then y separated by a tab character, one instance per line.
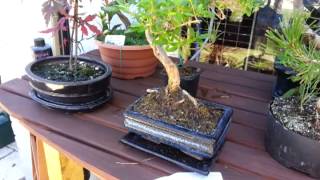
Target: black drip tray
89	106
168	153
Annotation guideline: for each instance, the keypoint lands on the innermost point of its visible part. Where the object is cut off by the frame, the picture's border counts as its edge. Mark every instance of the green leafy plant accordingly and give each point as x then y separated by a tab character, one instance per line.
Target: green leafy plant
298	48
239	7
134	34
164	21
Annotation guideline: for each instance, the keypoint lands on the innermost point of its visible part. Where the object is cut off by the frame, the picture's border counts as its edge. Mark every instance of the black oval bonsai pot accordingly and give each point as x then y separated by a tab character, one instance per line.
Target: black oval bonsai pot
70	96
188	83
283	82
291	149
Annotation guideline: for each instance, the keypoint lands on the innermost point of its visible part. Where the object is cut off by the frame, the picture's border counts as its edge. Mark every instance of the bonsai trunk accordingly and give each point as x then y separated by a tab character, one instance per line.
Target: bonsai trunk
170	67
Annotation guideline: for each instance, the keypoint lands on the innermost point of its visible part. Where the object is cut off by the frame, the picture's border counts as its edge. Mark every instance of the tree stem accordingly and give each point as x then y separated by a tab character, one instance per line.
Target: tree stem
76	35
170	67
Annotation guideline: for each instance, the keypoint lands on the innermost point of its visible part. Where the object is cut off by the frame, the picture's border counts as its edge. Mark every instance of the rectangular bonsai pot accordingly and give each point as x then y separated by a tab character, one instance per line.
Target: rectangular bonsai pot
196	144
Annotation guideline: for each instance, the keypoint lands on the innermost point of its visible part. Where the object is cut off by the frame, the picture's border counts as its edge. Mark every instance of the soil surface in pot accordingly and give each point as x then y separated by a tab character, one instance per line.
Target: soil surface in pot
177	109
184	71
59	71
300	120
187	71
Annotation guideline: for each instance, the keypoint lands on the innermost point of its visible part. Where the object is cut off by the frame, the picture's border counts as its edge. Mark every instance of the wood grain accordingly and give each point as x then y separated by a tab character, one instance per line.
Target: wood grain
92	138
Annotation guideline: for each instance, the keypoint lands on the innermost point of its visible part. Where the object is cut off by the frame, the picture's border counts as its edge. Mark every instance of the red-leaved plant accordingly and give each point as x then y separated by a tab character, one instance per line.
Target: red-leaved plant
52	8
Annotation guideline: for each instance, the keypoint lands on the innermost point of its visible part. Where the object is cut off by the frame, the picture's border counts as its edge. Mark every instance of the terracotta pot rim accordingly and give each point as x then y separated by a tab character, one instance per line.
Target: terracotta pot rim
133	47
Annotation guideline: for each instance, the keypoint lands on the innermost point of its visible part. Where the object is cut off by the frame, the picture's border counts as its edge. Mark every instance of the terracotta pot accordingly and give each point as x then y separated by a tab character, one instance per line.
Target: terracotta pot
128	62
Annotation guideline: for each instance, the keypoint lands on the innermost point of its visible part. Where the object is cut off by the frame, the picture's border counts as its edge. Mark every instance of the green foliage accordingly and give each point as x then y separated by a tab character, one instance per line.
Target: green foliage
134	34
239	7
289	44
108	10
165	19
171	22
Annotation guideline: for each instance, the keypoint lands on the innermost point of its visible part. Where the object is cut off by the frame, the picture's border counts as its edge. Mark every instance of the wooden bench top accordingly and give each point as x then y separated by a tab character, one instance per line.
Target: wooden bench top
92	139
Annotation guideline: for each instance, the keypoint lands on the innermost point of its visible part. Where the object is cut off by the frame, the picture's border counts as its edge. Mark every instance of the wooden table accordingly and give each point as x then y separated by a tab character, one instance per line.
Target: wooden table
92	139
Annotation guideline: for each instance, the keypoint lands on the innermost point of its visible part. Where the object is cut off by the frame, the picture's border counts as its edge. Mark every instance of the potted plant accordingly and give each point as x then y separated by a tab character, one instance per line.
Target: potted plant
170	115
132	60
287	35
69	82
293	127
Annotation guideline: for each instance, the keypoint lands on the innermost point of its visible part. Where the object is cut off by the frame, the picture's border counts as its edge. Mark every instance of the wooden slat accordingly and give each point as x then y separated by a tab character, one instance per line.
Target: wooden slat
206	85
257	162
107	166
246	77
229	71
85	132
64	124
243	153
137	88
103	136
115	118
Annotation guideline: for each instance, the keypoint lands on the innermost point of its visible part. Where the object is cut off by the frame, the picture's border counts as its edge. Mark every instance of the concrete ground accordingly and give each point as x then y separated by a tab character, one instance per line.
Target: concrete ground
9	163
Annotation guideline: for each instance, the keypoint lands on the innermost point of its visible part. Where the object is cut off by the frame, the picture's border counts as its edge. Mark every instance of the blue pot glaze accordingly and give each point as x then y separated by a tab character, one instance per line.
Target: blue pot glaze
213	137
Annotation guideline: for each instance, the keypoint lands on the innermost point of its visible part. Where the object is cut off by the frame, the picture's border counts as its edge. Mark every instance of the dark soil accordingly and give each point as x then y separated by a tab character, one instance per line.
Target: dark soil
170	109
187	71
59	71
302	121
184	71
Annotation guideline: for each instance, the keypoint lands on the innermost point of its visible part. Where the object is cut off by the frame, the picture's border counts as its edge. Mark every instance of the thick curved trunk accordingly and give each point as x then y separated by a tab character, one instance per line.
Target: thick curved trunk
170	67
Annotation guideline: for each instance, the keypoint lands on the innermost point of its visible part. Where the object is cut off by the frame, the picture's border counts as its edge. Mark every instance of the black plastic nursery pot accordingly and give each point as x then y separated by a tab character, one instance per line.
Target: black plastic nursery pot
189	83
291	149
70	96
201	148
283	82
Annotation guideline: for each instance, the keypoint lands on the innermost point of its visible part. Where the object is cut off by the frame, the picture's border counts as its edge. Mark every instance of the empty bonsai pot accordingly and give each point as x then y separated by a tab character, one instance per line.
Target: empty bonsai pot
189	79
283	82
84	93
128	62
292	149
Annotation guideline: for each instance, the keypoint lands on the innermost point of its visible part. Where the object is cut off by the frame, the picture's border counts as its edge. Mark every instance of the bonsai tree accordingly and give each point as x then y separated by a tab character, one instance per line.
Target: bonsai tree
297	47
163	21
51	8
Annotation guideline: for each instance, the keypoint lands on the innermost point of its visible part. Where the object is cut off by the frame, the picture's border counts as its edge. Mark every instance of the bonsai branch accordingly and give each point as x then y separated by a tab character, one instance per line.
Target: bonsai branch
193	100
207	39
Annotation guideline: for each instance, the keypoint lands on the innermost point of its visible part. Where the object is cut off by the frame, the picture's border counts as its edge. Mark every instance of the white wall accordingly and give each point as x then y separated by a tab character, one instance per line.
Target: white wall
21	21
